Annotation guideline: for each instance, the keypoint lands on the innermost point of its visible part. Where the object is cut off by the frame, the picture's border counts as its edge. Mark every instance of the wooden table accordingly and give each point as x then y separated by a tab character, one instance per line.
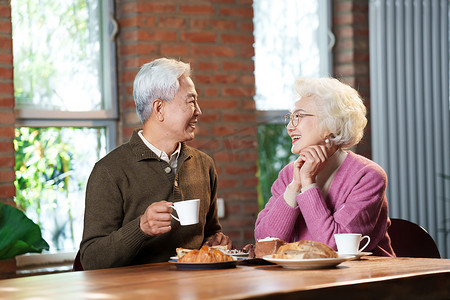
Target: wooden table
368	278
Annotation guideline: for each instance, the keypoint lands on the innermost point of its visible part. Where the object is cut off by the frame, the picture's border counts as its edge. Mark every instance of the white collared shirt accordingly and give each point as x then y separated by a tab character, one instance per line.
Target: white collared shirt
172	160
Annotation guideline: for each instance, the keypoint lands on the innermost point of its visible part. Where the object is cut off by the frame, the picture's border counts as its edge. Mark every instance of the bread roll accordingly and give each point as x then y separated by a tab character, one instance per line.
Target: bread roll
305	250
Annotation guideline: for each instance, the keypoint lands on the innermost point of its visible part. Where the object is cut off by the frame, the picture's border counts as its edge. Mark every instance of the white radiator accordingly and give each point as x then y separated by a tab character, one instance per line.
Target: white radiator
410	109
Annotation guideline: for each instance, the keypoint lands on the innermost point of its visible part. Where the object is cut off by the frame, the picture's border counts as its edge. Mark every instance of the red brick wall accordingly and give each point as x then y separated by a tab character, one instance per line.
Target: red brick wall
216	37
351	54
7	118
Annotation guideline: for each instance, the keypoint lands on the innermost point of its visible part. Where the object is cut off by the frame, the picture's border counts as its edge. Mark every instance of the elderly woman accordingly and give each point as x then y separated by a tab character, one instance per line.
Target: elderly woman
328	189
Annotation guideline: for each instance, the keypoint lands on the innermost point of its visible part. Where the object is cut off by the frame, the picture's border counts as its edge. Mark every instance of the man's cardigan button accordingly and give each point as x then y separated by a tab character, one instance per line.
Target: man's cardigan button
168	170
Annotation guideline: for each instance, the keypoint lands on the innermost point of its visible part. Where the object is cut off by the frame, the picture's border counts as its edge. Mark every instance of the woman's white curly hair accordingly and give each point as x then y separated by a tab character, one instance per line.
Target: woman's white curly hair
340	109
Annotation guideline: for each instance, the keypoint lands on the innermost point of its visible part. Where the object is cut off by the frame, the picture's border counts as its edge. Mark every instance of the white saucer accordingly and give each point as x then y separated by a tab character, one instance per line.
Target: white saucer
360	254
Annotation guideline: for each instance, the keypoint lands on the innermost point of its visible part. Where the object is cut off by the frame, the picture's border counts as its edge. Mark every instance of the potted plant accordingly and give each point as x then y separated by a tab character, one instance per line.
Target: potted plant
18	235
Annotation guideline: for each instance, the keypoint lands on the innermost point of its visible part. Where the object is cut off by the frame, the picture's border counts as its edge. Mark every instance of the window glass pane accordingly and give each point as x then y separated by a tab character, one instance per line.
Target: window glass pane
274	152
52	167
56	47
286	46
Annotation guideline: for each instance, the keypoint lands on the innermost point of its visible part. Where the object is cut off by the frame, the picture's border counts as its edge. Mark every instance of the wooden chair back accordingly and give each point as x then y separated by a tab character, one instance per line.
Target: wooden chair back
411	240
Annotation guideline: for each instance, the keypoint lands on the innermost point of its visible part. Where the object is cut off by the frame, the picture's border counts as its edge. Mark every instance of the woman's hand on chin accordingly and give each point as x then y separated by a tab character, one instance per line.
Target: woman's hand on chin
296	183
313	159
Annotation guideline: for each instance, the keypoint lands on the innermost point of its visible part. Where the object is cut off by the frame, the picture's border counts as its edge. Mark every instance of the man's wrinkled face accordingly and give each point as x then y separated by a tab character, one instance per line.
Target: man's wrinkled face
181	114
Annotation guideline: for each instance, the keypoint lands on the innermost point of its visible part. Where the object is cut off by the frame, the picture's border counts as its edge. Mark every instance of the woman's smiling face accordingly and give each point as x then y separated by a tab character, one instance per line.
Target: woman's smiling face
307	131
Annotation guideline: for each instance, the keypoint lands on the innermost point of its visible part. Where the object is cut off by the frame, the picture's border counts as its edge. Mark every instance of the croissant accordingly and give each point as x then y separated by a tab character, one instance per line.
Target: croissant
205	255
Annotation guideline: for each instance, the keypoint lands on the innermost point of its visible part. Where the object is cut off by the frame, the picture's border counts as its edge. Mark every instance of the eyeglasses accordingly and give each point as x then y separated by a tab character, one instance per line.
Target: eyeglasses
294	118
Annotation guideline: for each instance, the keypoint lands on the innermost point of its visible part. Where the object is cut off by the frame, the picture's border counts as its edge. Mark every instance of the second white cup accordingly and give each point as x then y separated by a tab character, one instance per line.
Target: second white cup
348	243
187	211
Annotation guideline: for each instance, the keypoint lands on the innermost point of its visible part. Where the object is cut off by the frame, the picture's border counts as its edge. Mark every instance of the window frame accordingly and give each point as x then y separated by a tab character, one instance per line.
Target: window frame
106	117
110	125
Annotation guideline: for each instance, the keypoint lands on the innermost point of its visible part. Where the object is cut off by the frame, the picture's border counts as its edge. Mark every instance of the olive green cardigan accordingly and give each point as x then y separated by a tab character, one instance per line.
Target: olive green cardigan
120	188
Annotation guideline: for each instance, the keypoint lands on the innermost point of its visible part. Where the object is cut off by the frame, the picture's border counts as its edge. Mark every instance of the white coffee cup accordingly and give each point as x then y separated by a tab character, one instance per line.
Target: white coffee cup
348	243
187	211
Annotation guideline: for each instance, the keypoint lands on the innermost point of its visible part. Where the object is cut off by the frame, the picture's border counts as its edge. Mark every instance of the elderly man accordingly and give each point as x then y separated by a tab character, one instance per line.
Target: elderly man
130	191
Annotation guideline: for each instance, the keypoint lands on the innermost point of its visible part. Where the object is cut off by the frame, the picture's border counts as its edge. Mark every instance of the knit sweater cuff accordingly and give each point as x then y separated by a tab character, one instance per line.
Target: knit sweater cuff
308	187
132	235
290	197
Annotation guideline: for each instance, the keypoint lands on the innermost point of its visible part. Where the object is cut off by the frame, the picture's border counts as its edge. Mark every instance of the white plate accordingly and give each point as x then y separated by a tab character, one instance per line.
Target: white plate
316	263
359	255
173	258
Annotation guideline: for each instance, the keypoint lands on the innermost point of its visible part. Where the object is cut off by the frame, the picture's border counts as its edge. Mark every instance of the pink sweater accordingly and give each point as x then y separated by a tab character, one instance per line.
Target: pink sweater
356	203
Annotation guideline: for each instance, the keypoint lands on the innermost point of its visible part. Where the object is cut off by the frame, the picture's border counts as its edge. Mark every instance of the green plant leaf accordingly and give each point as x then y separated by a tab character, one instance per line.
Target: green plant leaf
18	234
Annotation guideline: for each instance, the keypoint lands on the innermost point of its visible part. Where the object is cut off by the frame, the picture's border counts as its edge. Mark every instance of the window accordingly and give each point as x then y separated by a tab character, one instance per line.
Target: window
291	40
66	108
